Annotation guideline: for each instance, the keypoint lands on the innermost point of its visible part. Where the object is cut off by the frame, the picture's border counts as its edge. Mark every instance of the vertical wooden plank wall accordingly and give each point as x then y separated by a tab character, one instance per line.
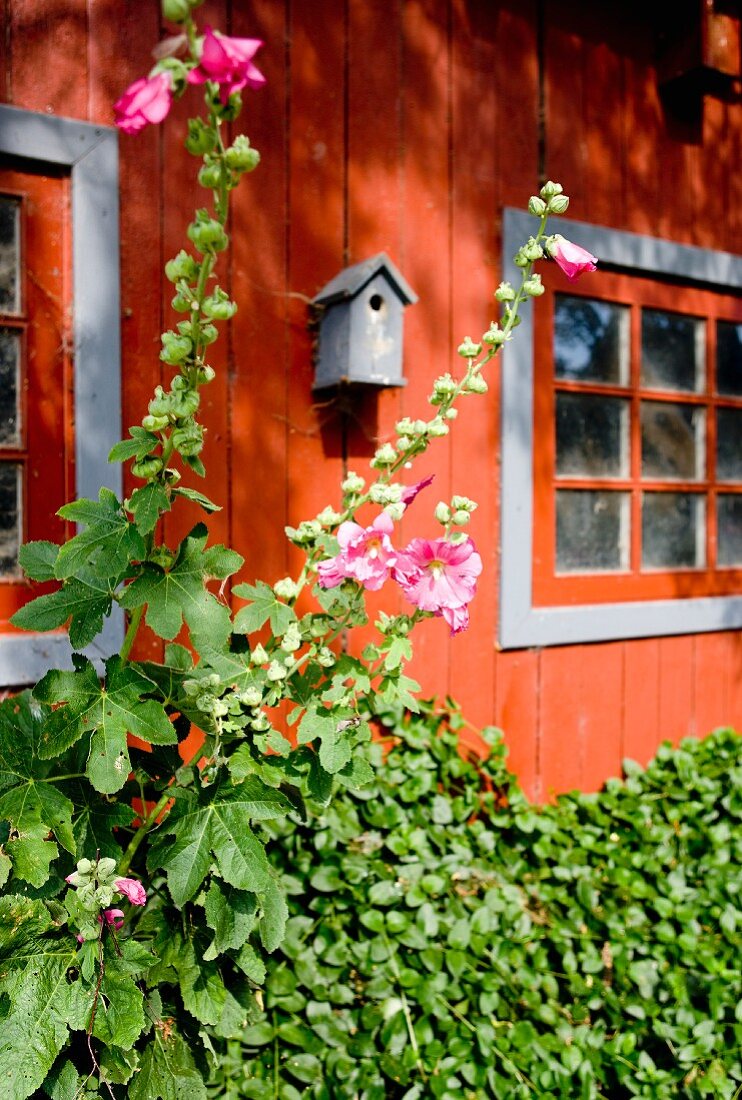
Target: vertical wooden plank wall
406	126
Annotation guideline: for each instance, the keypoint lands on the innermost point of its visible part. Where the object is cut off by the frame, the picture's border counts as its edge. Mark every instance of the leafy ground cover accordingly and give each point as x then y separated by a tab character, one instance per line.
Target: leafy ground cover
447	939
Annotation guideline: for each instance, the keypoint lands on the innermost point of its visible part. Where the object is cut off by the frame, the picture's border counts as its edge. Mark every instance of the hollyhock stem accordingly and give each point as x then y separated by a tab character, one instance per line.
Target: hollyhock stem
142	831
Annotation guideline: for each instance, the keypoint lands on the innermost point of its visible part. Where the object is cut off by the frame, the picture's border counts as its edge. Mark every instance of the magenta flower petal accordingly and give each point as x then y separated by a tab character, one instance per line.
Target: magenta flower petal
132	890
409	492
440	577
147	100
366	555
228	62
572	259
112	916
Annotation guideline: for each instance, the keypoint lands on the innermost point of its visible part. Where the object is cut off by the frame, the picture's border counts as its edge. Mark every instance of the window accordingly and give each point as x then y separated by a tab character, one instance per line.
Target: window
59	353
622	446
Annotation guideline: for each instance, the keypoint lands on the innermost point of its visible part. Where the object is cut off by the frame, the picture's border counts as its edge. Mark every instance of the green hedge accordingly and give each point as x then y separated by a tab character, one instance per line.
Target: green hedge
450	940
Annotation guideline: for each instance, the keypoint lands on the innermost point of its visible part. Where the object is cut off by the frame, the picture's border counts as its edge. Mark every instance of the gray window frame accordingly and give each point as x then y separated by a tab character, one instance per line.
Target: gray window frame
521	624
90	154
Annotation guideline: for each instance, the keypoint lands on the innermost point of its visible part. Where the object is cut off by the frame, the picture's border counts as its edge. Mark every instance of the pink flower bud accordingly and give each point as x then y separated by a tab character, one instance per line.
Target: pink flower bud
146	100
572	259
132	890
112	916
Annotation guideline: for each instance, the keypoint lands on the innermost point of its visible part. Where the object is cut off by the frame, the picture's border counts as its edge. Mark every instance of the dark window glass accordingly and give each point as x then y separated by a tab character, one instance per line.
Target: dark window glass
9	518
591	340
10	298
592	531
673	530
672	440
672	351
729	358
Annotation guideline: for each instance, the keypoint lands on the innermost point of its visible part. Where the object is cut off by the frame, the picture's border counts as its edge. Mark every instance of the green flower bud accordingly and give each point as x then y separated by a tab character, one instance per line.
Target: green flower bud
185	403
534	286
206	374
218	306
260	722
291	640
520	259
163	556
385	494
532	251
175	11
258	655
395	511
460	517
505	293
286	589
208	333
106	868
181	304
442	512
443	387
352	483
438	428
463	502
536	206
276	672
188	440
467	349
405	426
154	423
252	697
175	349
325	657
240	156
328	517
476	384
146	467
451	414
207	234
182	266
210	176
494	336
550	189
404	443
201	138
385	456
558	204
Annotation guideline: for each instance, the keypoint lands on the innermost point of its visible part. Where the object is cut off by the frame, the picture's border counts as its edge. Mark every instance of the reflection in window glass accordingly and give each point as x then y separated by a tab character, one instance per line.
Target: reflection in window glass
729	528
672	440
592	435
673	530
592	531
9	366
9	518
729	358
729	444
591	340
9	254
672	351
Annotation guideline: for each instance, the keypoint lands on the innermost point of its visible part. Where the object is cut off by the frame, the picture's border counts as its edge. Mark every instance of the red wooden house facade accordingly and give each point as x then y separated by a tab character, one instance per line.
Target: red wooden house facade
411	127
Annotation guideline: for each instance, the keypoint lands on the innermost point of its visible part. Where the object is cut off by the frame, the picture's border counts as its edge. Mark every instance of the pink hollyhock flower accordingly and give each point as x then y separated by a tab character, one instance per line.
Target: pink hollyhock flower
409	492
366	555
112	916
440	576
572	259
146	100
228	62
132	890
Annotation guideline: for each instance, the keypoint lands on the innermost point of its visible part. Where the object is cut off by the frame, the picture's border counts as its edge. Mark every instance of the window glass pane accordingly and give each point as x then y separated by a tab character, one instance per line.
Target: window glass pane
9	254
672	351
729	358
592	531
592	435
673	530
672	440
10	343
729	444
591	340
9	517
729	529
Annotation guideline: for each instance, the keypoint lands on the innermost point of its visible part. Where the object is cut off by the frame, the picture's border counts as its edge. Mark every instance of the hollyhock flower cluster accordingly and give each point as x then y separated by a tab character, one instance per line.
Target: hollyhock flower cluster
572	259
366	555
228	62
146	100
435	575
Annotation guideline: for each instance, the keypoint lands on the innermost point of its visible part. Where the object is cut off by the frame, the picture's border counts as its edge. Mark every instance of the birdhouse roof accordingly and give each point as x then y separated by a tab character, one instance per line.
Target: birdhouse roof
352	280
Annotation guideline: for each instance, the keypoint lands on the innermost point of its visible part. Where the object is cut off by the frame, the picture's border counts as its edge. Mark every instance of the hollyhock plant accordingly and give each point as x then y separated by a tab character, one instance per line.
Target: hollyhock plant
146	100
132	890
228	62
572	259
366	555
409	492
440	576
112	917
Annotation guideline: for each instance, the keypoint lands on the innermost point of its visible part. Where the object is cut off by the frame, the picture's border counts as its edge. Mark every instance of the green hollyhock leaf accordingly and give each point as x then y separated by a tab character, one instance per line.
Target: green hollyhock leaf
147	505
44	1003
94	821
201	986
33	806
197	498
37	560
231	914
109	540
167	1069
211	827
108	712
251	964
139	446
63	1083
119	1017
85	600
179	593
272	925
117	1066
264	606
333	732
